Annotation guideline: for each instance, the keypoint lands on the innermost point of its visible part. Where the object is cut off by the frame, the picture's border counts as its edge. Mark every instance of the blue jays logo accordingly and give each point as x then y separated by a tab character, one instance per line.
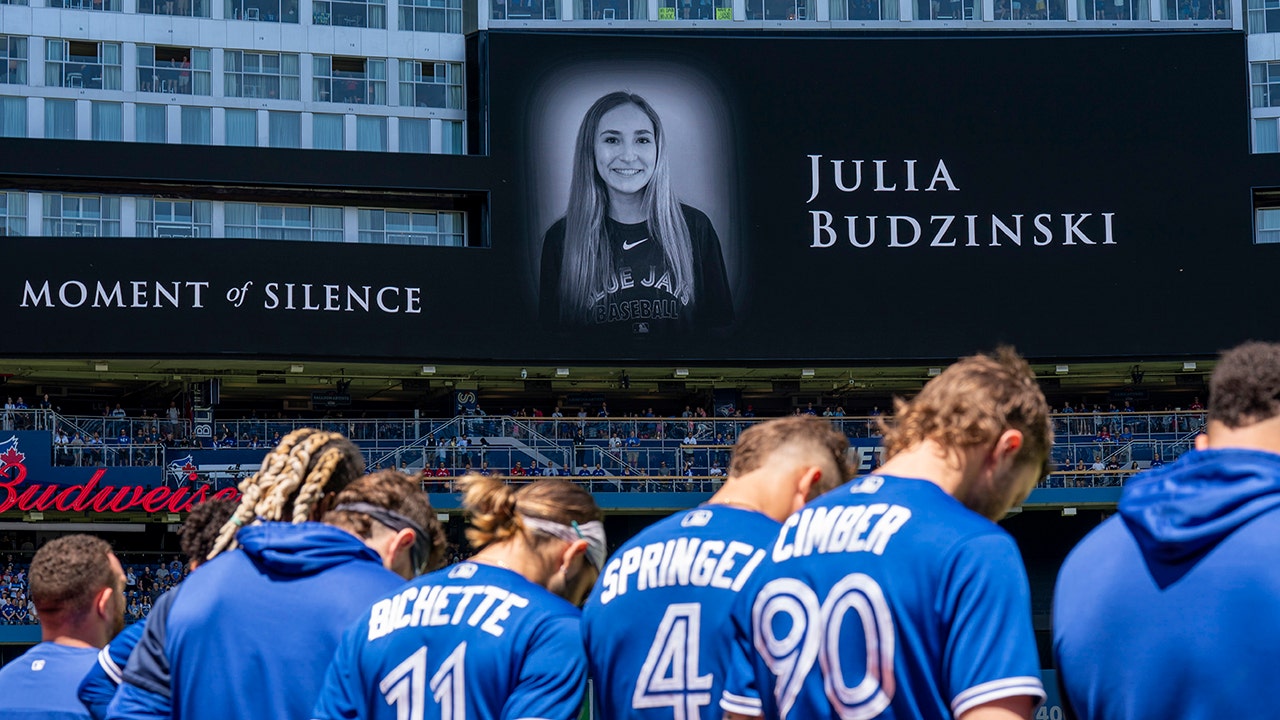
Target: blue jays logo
182	468
12	462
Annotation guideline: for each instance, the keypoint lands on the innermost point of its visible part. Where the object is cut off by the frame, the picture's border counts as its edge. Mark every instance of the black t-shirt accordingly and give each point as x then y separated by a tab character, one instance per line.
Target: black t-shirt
640	297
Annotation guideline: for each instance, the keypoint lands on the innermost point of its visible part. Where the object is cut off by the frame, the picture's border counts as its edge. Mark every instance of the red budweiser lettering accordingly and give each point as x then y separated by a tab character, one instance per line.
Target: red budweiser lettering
14	494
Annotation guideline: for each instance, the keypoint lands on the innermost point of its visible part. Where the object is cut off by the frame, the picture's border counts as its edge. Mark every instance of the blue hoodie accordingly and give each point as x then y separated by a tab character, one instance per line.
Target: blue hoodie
251	634
1170	609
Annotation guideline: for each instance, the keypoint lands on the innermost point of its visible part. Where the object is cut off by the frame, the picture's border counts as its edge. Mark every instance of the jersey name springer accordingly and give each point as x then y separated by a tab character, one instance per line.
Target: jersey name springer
681	561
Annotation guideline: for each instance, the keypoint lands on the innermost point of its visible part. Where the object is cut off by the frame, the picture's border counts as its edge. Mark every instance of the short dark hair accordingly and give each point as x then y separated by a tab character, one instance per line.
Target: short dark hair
200	531
67	572
1245	386
759	442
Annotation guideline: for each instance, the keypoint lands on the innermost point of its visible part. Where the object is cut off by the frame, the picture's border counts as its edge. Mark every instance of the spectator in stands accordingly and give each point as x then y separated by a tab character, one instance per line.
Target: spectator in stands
518	470
535	470
78	586
1166	609
272	614
1156	461
196	537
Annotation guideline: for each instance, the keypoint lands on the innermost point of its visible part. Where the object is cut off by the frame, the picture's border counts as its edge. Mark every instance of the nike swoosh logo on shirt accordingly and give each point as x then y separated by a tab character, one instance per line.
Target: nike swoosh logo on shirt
629	245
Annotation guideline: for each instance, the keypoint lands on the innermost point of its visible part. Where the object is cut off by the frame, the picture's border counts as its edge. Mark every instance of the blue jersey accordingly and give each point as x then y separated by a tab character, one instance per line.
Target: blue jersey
470	642
884	598
41	683
99	685
656	625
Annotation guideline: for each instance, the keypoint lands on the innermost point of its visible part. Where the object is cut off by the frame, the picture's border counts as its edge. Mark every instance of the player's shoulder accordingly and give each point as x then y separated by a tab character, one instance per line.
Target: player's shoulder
693	216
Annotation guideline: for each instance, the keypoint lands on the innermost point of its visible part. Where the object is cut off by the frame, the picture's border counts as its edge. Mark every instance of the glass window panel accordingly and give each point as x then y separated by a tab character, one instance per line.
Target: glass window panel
371	133
60	119
107	121
415	135
13	116
150	123
196	126
242	127
326	132
284	129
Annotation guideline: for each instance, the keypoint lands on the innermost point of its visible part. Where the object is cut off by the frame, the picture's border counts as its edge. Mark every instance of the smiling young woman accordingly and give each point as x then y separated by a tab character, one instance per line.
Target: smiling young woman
628	258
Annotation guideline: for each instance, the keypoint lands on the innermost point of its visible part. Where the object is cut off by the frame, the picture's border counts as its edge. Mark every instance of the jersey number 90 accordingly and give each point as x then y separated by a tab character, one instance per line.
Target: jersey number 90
813	636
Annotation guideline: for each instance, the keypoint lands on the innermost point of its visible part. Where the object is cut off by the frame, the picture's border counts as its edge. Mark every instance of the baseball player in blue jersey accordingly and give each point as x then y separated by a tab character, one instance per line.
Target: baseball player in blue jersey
493	638
898	596
1168	609
196	537
656	626
78	588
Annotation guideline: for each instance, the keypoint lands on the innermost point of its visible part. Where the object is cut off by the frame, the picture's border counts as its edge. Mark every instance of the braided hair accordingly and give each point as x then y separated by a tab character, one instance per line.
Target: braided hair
295	476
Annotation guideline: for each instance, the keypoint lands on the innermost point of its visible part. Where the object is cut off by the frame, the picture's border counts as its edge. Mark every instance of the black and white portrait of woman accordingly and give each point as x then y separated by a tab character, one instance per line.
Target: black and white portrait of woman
627	257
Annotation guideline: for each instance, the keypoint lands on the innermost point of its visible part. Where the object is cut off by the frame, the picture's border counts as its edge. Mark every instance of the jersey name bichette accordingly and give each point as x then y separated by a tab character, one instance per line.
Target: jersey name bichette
483	606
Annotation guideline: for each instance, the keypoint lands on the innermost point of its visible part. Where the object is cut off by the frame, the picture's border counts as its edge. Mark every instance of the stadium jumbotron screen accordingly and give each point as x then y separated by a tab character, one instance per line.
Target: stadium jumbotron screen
861	198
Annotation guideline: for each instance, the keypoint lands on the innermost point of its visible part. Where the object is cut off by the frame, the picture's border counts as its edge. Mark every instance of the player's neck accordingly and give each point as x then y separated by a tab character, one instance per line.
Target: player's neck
71	637
519	560
928	461
627	208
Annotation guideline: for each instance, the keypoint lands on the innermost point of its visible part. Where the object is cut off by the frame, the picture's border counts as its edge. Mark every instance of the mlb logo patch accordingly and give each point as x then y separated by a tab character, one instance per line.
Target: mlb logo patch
463	570
37	665
696	518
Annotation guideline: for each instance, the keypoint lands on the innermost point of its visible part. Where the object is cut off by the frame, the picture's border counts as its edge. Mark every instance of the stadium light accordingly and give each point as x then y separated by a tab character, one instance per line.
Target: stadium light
1068	512
562	372
935	372
682	372
1062	369
428	369
1188	366
101	367
296	368
807	373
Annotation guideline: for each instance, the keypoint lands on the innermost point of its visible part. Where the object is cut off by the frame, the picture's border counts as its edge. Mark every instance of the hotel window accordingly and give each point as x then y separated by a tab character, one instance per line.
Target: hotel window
283	222
276	11
197	126
284	129
451	138
1268	226
81	215
415	135
106	121
1265	84
870	9
1198	9
81	64
60	119
326	131
13	116
436	15
1030	10
371	133
430	84
350	13
701	9
150	123
1264	135
1113	9
262	75
612	9
349	80
242	127
13	60
13	213
107	5
177	70
1264	16
412	227
180	8
174	218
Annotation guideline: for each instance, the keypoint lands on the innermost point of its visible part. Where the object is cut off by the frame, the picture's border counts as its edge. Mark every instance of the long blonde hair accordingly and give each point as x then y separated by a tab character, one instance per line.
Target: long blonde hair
588	258
295	475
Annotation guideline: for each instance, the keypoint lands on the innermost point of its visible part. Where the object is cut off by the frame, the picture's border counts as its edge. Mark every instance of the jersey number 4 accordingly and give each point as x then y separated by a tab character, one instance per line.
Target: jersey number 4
813	635
405	686
669	676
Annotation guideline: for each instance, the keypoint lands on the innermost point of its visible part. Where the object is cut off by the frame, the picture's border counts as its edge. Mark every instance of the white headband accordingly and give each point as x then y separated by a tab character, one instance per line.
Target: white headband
592	532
